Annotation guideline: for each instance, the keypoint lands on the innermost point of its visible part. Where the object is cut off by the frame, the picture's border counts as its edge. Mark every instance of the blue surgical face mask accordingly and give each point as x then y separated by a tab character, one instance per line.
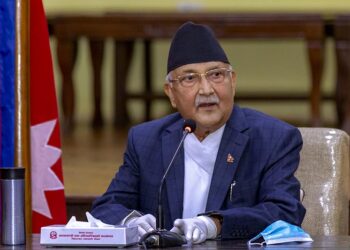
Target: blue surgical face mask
280	232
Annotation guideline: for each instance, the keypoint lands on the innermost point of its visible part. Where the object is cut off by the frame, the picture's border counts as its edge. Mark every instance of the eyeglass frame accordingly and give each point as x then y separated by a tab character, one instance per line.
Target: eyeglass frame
176	79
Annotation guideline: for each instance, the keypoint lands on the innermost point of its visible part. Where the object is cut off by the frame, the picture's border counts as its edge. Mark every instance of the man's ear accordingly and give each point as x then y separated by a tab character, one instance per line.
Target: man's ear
234	78
169	92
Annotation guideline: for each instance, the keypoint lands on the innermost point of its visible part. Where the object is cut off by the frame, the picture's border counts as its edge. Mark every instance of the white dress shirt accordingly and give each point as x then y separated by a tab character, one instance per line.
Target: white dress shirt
200	157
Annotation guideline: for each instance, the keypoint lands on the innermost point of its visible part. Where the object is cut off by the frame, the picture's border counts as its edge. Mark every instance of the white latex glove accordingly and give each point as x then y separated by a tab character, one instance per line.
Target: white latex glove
197	229
145	223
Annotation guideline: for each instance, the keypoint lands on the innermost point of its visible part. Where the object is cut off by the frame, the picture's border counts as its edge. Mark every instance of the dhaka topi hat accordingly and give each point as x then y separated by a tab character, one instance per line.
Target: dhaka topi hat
194	43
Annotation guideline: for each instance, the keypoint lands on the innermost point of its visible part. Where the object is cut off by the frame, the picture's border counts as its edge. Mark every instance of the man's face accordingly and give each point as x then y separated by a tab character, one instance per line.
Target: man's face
207	102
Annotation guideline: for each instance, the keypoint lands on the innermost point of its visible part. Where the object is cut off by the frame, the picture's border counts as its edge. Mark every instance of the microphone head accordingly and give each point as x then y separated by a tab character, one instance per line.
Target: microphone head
189	126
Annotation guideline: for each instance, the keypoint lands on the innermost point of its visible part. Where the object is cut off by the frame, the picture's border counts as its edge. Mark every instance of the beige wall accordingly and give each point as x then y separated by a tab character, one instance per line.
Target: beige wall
100	6
261	65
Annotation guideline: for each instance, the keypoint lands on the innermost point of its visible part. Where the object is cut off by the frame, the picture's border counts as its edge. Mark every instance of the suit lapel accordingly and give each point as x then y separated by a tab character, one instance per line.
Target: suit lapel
175	178
230	151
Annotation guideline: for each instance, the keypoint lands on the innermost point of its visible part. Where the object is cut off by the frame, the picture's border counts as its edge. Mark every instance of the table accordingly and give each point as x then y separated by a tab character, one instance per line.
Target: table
324	242
127	27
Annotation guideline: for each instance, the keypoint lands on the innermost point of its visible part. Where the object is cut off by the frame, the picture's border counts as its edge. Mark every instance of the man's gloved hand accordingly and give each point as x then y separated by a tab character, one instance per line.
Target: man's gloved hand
197	229
145	223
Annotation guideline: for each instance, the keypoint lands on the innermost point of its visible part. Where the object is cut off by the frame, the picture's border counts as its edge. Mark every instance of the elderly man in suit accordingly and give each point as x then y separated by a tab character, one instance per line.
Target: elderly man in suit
233	176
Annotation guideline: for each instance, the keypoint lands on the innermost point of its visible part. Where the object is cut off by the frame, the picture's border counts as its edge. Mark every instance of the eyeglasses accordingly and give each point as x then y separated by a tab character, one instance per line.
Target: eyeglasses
191	79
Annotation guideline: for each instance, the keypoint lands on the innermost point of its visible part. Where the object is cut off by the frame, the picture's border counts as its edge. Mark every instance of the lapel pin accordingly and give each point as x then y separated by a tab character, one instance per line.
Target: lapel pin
230	158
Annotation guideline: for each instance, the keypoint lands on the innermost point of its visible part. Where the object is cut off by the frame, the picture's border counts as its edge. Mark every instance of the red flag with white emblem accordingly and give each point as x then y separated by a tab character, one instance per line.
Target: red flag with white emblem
48	200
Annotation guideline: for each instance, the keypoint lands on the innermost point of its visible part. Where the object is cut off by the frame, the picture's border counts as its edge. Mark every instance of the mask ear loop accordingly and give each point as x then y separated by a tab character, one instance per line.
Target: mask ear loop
260	244
251	243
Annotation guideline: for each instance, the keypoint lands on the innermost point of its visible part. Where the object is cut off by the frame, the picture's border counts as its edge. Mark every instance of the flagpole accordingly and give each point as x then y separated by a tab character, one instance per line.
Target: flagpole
22	90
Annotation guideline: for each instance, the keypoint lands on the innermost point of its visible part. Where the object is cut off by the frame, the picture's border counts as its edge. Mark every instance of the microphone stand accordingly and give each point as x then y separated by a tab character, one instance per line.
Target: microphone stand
160	221
162	237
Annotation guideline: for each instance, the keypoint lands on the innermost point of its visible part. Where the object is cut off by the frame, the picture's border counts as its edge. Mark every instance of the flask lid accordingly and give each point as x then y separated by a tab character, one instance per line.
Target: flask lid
11	173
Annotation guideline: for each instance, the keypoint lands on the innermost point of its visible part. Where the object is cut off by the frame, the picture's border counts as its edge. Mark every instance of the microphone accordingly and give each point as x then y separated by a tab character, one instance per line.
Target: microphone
161	237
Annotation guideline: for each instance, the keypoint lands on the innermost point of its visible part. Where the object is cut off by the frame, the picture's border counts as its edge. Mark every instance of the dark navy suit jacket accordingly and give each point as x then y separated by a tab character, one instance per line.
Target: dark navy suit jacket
265	155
